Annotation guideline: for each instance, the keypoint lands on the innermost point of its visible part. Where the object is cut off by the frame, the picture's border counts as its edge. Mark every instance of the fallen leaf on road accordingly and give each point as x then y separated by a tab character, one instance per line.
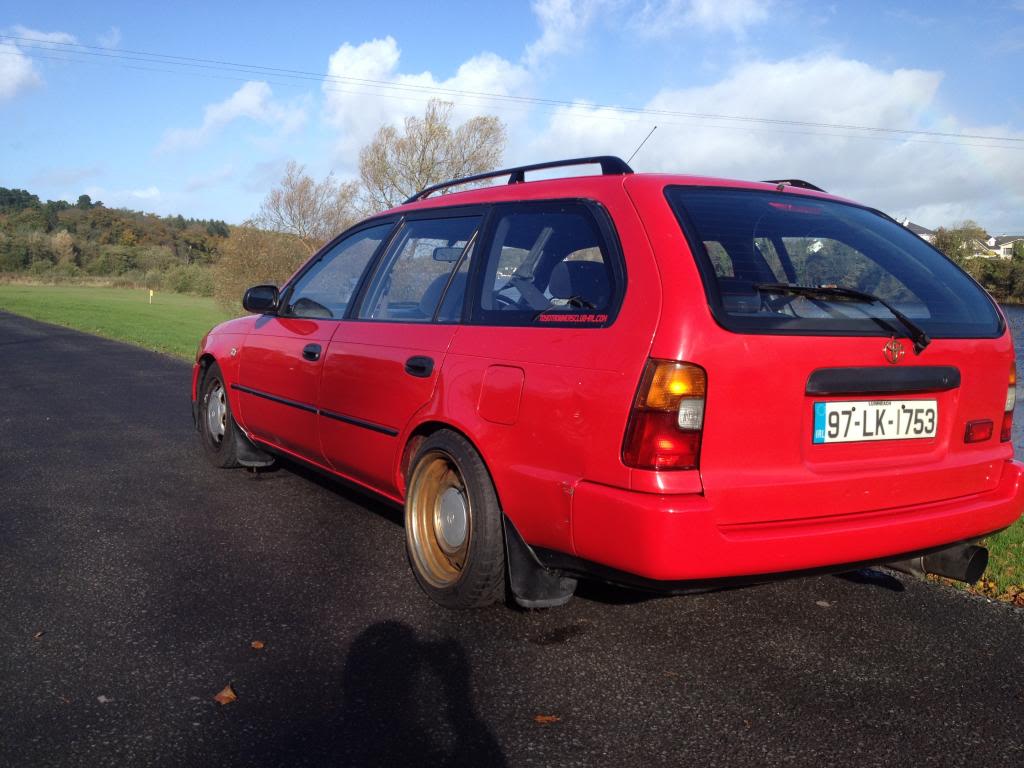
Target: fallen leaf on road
257	645
546	719
823	603
226	696
39	634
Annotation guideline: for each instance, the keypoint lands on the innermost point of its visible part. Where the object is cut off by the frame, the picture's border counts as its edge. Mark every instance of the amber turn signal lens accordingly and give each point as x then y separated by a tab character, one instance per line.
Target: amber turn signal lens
666	383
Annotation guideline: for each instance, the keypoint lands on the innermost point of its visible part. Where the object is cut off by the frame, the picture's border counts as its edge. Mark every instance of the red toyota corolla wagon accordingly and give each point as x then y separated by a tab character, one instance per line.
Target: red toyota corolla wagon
661	381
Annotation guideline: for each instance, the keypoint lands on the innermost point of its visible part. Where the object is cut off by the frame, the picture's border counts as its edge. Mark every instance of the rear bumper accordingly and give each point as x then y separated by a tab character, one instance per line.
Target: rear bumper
675	538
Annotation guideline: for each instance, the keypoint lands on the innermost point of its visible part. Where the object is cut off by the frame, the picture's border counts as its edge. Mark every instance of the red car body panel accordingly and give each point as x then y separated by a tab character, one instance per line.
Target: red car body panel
547	409
364	379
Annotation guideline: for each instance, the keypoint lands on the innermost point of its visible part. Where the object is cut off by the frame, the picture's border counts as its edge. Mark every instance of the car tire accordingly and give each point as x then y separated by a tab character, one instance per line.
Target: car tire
453	530
217	427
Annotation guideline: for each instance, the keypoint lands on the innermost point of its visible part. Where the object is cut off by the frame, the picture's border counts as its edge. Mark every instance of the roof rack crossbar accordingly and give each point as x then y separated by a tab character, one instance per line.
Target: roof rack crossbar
794	183
610	166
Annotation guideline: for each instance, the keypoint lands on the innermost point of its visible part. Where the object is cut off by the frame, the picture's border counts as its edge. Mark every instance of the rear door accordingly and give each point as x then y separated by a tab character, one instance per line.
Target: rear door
282	358
382	364
818	406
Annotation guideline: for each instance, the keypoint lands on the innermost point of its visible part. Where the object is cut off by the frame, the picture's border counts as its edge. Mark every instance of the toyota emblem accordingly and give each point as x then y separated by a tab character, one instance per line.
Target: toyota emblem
893	351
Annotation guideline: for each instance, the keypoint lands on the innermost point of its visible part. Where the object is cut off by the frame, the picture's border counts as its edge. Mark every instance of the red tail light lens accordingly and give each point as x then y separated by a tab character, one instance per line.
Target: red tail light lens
1006	431
664	430
978	431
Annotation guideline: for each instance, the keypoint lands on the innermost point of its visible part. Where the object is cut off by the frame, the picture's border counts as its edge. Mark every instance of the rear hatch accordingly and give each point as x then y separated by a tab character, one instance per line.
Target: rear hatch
818	404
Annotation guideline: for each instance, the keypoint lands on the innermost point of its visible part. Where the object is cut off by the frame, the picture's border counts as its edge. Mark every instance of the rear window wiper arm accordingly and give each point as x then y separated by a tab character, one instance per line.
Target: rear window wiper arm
914	332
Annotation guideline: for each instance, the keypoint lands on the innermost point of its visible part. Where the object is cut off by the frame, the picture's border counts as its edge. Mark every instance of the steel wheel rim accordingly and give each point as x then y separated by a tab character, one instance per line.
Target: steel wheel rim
439	519
216	413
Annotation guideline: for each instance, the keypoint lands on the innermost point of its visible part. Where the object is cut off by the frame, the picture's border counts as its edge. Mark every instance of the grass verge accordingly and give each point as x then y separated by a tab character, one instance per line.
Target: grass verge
172	324
1004	579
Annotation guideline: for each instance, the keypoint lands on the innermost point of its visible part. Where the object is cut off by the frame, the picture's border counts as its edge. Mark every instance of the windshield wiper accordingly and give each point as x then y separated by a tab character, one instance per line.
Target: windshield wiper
914	332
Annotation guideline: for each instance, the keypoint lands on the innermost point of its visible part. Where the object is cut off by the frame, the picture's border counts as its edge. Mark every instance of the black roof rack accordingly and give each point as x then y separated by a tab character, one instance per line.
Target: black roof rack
794	183
610	166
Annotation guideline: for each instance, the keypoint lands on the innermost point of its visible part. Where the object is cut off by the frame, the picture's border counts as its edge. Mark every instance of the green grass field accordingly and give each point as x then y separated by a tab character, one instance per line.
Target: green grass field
172	324
1005	575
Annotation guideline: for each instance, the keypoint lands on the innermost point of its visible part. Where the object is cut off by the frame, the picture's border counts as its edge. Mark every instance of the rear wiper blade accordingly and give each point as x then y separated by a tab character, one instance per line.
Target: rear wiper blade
914	332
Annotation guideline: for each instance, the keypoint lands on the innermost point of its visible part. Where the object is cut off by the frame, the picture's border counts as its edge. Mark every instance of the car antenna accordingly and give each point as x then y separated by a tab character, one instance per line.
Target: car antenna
641	145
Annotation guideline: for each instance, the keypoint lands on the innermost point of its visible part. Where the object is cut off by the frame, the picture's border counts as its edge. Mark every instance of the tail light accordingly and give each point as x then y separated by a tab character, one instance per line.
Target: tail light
667	419
1006	431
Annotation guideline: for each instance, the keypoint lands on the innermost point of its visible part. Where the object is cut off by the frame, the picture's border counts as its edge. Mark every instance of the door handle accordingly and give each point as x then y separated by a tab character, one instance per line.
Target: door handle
419	366
311	352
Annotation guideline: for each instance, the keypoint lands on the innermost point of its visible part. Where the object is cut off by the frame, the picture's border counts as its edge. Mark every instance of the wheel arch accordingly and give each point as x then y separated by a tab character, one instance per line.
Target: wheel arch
421	432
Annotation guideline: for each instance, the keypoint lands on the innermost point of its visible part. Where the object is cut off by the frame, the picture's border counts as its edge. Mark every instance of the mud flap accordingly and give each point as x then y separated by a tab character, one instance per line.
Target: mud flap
533	585
248	454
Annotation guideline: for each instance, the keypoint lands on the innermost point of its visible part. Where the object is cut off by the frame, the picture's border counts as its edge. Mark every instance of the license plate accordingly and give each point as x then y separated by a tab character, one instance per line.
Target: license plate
863	420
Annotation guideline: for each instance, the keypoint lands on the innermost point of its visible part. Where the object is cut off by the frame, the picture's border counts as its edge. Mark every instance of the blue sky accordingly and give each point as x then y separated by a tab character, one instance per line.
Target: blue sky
209	141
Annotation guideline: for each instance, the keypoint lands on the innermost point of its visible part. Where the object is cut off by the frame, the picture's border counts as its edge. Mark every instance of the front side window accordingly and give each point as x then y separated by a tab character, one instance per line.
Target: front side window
752	245
547	263
325	289
417	272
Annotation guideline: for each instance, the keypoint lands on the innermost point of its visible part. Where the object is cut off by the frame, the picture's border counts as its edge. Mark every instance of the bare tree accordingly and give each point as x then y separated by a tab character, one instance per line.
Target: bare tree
397	164
251	256
313	211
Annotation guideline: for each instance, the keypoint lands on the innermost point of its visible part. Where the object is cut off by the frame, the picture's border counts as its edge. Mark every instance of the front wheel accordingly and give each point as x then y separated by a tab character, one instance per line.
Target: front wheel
453	527
217	427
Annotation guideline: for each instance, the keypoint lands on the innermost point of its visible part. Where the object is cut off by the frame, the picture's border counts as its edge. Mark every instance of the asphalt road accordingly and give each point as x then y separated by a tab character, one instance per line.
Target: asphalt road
134	578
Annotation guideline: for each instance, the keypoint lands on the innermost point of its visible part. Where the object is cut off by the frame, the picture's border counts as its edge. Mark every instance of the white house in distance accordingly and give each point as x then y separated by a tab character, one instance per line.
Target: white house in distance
997	247
923	232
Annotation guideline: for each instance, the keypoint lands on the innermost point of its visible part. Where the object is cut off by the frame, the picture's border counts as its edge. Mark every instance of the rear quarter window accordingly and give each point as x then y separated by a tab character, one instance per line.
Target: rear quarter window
550	263
744	240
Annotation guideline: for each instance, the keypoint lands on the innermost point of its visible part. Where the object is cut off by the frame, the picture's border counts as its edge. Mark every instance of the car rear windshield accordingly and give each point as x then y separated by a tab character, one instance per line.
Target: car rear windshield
750	244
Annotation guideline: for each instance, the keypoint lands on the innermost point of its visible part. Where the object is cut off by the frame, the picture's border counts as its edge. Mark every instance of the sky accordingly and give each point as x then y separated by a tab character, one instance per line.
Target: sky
916	108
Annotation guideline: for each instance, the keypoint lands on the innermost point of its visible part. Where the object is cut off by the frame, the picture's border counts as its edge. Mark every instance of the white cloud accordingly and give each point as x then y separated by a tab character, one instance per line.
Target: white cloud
933	180
149	193
563	24
17	70
34	36
356	108
111	38
252	101
669	17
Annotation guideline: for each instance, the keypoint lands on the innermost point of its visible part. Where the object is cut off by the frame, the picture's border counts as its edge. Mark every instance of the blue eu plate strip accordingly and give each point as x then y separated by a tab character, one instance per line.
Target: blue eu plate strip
819	422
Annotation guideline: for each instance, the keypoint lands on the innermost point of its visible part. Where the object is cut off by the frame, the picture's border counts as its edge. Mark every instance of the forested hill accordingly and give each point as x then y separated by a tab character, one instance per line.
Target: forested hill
58	238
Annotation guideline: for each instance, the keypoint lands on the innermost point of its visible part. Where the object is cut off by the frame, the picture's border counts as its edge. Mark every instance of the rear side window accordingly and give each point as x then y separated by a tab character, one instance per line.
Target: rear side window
746	240
548	263
418	270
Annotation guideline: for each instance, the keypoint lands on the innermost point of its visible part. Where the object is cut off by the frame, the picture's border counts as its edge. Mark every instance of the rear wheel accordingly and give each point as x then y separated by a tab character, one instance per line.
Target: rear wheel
453	527
217	428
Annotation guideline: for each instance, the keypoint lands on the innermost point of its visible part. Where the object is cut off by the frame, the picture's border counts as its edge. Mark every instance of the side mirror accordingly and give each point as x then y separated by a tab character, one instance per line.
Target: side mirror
261	299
